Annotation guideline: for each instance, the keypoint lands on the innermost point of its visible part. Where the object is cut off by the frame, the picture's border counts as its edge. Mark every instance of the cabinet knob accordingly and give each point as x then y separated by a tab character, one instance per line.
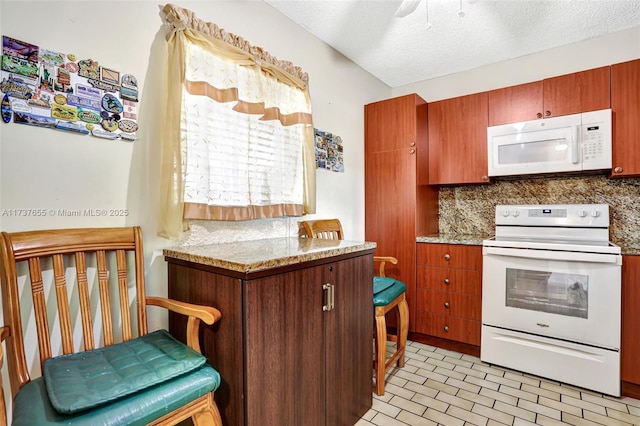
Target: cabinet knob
446	305
547	113
446	281
447	256
539	115
446	328
330	268
412	151
617	170
485	178
412	144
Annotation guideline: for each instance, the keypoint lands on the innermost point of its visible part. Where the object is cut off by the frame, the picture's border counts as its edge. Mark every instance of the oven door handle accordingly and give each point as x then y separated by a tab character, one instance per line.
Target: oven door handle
570	256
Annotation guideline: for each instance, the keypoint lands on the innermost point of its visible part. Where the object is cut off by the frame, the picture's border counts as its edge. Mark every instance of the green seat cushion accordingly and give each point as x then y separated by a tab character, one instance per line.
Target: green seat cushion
382	283
84	380
386	296
32	407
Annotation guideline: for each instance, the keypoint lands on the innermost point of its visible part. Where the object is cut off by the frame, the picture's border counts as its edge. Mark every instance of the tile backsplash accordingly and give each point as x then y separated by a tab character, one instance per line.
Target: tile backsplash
470	209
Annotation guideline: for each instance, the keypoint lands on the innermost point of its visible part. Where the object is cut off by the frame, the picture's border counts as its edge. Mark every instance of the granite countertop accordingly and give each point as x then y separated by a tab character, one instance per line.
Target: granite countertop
258	255
628	247
473	240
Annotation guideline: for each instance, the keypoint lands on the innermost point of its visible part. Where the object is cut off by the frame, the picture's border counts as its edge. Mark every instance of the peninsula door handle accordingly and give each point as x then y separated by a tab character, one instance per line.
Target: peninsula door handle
329	297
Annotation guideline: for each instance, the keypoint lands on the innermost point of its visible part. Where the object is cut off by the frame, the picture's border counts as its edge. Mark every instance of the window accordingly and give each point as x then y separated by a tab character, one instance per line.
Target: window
239	144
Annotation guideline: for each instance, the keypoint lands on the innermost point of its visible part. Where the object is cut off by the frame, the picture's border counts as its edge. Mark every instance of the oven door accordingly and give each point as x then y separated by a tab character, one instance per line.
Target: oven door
565	295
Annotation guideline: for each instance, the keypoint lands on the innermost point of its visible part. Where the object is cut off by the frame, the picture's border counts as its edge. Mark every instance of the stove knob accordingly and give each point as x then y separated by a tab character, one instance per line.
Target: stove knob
595	213
516	213
582	213
505	213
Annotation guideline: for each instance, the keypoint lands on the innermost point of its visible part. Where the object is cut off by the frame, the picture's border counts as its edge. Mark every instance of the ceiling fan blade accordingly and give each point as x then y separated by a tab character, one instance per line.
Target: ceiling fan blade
407	7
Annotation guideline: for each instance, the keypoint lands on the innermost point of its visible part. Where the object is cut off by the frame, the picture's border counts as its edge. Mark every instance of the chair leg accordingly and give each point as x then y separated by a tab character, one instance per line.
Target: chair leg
403	329
381	352
208	417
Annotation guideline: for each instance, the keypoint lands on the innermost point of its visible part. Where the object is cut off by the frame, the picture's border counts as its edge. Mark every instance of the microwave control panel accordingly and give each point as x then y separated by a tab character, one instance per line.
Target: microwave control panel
592	141
595	133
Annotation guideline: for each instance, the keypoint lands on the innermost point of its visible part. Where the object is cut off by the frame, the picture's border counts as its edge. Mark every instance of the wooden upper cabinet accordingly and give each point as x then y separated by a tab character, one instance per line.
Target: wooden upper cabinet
563	95
578	92
458	140
515	103
625	104
391	124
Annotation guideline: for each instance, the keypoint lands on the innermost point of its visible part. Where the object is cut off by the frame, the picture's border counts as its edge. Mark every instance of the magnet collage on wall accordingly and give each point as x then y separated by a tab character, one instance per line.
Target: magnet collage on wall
46	88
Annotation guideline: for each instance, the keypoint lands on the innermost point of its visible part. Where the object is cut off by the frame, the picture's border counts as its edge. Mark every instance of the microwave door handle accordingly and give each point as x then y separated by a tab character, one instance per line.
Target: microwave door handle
574	145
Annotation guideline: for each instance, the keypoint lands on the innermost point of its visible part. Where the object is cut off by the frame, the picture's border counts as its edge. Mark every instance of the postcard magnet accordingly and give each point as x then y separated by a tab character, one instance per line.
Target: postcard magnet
5	109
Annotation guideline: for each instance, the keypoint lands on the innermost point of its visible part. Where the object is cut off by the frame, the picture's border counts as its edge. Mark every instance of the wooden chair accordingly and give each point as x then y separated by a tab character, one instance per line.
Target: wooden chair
327	229
389	294
65	280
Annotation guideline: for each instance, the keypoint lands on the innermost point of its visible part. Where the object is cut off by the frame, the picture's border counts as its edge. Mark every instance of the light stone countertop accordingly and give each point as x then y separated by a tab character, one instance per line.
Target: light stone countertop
473	240
258	255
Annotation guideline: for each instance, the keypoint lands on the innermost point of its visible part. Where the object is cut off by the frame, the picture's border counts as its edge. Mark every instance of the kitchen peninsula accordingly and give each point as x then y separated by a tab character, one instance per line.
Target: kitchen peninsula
294	345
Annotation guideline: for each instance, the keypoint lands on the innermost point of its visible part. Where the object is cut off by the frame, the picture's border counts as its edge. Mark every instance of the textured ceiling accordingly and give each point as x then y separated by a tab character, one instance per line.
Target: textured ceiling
401	51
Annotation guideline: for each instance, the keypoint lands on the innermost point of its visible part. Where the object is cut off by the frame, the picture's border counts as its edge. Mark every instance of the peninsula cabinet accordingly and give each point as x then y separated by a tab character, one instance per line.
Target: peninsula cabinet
563	95
630	347
458	140
294	345
399	205
450	291
625	104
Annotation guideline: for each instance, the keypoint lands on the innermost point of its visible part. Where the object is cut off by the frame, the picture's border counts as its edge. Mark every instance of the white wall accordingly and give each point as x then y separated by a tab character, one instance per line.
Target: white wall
42	168
610	49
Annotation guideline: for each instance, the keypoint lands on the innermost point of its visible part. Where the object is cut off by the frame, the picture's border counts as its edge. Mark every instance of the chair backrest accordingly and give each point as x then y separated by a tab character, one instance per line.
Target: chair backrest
327	229
77	278
331	229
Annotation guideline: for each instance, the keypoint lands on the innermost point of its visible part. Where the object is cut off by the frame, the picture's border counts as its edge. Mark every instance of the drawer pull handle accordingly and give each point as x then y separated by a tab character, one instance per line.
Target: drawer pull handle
446	281
446	305
447	256
446	328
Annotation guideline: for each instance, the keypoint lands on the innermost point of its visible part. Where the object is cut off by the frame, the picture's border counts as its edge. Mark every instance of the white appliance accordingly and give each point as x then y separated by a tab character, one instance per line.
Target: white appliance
551	294
569	143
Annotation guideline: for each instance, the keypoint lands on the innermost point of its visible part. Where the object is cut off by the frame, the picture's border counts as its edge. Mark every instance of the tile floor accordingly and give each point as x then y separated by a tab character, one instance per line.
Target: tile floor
440	387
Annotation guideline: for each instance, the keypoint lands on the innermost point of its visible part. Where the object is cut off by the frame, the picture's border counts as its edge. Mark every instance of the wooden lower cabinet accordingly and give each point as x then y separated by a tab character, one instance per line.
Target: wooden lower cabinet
449	287
630	345
282	358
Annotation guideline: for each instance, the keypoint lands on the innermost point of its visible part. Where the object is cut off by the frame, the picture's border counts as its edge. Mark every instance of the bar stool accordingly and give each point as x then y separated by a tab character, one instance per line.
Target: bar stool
388	294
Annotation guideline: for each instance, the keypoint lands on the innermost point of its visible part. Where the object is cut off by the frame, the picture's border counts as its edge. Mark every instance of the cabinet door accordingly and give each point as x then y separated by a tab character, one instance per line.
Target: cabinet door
516	103
284	349
630	350
563	95
390	124
348	336
390	214
578	92
625	103
458	140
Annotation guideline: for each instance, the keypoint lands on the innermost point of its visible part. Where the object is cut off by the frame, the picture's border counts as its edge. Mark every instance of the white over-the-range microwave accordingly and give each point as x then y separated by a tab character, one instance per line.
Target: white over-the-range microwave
570	143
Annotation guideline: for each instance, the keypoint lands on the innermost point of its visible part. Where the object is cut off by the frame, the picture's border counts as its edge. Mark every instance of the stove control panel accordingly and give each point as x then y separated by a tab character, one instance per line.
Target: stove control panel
554	215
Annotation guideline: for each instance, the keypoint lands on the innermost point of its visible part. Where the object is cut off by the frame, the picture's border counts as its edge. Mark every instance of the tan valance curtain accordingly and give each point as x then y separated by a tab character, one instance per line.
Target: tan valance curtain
187	34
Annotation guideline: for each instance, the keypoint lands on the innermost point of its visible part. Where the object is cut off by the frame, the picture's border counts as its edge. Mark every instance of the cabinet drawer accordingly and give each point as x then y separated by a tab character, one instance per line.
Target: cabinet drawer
446	279
446	303
450	255
448	327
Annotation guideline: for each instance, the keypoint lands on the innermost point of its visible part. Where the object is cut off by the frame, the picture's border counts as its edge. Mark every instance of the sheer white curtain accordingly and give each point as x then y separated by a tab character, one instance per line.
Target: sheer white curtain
238	139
